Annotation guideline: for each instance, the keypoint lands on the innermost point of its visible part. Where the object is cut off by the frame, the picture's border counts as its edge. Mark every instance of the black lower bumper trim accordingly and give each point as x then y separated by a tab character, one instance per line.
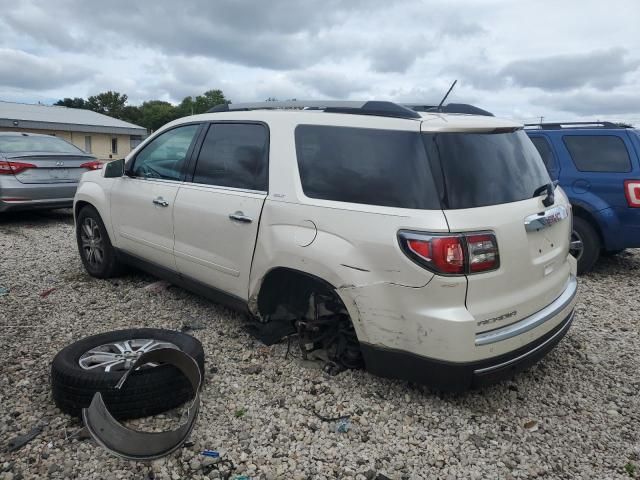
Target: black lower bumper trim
457	377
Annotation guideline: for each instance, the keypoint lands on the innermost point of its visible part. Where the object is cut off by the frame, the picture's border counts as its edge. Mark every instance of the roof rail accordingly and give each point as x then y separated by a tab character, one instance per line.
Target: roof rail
449	108
379	108
561	125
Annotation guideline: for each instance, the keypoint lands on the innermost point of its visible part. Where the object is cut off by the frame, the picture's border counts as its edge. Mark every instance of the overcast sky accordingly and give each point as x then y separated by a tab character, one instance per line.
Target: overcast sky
558	59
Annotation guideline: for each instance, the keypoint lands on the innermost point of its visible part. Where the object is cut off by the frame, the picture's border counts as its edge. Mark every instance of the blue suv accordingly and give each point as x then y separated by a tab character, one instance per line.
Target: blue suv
598	166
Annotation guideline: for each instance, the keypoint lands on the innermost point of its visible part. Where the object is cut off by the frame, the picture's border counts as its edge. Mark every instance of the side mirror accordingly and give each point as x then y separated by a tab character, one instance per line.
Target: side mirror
114	169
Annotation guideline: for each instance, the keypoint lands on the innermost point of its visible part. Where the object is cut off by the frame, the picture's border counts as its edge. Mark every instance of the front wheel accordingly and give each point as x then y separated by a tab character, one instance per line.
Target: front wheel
585	245
97	254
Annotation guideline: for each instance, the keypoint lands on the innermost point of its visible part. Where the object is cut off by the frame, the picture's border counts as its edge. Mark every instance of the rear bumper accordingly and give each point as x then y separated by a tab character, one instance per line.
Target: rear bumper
458	377
24	196
620	227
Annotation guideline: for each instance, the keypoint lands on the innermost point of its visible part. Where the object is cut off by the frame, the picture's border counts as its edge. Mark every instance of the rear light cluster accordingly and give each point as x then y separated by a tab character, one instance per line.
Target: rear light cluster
95	165
14	168
455	254
632	191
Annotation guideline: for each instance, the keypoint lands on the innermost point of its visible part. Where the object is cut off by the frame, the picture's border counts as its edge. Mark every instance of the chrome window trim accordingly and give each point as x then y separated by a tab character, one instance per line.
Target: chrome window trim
162	180
220	187
533	321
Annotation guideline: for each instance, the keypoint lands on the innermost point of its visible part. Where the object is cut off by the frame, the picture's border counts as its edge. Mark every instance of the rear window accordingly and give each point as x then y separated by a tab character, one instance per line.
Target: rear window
29	144
598	153
481	169
368	166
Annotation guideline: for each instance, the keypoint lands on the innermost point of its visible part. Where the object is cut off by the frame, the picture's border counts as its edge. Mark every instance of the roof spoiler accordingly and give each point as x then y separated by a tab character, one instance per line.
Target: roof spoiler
449	108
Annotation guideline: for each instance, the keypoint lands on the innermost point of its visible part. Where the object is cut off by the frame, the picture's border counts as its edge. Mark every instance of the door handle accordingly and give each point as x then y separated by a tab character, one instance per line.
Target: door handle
240	217
160	201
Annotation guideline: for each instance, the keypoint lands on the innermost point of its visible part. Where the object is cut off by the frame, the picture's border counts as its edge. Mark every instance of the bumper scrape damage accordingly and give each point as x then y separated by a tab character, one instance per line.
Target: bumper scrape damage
435	342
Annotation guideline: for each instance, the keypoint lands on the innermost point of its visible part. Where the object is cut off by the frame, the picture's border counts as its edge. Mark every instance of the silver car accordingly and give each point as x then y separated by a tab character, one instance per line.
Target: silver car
40	171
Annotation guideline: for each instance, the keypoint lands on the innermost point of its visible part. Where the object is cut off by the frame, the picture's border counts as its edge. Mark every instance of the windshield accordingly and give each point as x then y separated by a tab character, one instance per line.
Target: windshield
481	169
30	143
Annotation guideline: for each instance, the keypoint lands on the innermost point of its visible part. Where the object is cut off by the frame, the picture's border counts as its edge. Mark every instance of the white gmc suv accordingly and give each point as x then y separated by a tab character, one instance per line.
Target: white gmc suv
427	246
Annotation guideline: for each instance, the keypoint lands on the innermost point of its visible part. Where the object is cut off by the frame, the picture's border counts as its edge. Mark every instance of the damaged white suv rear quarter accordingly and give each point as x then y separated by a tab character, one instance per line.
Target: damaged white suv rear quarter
438	237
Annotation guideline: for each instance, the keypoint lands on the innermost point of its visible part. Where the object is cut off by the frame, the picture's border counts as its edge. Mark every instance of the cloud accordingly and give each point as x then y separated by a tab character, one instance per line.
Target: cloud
275	35
602	69
479	74
393	58
365	49
330	84
592	103
22	70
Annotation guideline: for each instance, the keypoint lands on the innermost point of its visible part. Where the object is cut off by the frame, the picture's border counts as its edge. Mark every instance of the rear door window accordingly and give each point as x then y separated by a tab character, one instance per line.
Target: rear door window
234	155
481	169
598	153
366	166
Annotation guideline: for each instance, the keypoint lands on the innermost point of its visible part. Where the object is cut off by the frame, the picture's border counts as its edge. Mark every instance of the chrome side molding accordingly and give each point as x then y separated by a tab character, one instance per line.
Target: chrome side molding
539	221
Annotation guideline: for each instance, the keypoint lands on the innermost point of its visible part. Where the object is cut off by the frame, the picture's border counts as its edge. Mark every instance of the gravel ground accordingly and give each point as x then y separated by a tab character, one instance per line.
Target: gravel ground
575	415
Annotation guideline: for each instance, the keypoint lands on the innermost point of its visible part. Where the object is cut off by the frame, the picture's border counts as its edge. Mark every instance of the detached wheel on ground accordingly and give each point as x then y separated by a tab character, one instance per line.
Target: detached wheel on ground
585	245
97	254
96	364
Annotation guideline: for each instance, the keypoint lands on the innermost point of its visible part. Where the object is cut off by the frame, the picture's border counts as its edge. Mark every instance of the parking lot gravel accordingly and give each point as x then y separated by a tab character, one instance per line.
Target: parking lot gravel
574	415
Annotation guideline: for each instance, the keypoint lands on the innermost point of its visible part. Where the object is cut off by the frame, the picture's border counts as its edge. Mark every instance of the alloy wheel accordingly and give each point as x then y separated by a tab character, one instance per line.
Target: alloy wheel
120	356
92	243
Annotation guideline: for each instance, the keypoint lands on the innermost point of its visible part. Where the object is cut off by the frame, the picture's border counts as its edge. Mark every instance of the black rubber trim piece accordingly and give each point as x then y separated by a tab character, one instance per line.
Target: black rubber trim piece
459	377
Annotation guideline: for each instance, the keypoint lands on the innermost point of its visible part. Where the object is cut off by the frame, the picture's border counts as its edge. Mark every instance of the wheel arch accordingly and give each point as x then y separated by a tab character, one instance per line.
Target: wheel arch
286	284
586	215
92	194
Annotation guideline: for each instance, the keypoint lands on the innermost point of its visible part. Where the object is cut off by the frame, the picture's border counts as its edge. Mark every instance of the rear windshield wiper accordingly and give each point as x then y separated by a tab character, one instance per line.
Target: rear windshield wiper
548	188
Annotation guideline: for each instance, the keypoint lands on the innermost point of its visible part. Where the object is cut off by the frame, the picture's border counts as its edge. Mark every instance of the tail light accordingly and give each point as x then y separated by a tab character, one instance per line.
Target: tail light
632	191
456	254
95	165
14	168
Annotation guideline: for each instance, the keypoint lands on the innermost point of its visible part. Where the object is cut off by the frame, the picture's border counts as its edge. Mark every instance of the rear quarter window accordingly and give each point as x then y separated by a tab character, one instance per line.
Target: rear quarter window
598	153
365	166
544	149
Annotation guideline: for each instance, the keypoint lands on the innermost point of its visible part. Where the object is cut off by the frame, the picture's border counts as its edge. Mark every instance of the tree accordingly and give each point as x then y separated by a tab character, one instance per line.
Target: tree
201	103
131	114
75	102
151	114
109	103
155	113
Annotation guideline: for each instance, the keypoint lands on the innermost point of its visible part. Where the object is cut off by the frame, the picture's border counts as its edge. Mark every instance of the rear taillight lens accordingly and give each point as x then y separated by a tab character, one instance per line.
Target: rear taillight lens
632	192
13	168
457	254
92	165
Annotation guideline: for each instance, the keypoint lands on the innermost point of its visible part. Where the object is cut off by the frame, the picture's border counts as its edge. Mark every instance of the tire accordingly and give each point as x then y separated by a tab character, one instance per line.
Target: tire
612	253
147	391
107	265
591	245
